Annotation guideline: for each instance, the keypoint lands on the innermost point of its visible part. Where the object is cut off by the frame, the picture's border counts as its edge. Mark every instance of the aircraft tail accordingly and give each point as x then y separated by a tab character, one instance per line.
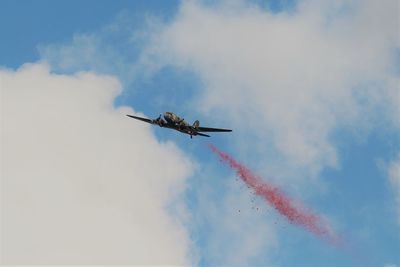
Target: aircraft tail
196	124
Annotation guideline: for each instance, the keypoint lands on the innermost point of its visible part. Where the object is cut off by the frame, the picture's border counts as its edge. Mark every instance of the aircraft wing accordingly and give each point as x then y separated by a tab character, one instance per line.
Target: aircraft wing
207	129
141	119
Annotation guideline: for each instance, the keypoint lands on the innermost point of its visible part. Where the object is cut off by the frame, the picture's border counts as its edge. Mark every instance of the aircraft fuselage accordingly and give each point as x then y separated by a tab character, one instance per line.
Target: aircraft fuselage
172	121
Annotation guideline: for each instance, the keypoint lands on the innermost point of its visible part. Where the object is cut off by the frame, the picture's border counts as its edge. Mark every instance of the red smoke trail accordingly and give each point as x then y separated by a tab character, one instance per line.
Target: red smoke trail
277	199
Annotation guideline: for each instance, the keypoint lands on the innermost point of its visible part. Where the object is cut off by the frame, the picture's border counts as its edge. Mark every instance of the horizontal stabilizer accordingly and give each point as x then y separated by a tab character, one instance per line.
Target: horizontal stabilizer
206	135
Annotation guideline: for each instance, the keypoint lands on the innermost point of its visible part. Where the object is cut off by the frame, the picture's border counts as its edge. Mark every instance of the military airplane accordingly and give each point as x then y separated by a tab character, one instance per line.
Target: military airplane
172	121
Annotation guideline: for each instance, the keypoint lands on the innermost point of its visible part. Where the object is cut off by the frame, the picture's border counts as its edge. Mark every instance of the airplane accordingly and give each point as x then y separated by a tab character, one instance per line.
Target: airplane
172	121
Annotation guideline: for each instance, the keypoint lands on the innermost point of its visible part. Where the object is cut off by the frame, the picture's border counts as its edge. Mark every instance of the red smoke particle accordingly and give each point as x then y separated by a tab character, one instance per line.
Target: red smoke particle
295	214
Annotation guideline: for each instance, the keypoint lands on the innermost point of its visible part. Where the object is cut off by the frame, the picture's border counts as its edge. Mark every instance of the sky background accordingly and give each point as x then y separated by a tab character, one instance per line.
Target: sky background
310	89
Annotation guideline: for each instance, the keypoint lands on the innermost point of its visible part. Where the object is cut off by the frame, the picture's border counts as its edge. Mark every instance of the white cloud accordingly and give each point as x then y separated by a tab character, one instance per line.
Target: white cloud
239	232
87	52
112	49
291	78
394	178
284	82
81	182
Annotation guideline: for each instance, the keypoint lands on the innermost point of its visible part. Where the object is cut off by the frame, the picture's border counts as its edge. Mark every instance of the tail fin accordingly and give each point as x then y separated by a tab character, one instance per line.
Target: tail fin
196	124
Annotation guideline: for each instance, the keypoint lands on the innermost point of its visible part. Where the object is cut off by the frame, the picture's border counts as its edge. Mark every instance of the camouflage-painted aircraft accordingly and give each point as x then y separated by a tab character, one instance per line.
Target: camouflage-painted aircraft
172	121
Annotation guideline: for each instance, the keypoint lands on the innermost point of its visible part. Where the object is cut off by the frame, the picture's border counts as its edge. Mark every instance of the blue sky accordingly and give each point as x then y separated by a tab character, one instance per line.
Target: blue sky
313	106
